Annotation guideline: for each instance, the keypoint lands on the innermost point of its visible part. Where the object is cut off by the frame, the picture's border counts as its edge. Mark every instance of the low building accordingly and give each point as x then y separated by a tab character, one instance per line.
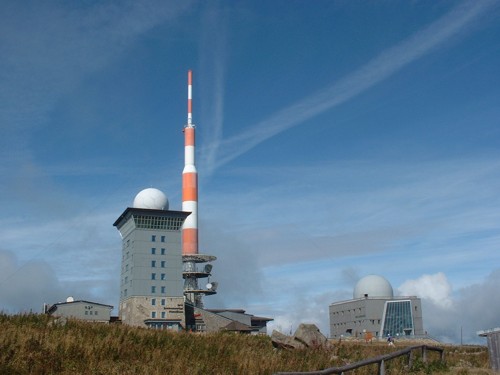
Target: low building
235	320
82	310
374	311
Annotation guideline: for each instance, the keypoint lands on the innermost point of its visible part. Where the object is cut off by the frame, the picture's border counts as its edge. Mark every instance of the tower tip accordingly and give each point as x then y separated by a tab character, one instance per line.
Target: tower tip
190	99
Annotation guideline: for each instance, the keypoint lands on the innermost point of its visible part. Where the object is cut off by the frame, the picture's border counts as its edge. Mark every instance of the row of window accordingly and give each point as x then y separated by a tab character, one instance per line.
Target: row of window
355	310
155	222
163	301
163	314
163	290
162	276
356	323
153	238
87	312
162	251
163	263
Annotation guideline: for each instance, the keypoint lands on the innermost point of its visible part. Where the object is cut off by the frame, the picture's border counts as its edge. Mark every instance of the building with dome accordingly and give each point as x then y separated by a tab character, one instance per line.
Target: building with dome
374	311
151	287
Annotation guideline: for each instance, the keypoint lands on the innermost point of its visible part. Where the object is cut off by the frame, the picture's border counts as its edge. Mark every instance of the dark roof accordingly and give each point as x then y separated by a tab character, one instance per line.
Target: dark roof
54	306
261	318
239	311
237	326
129	211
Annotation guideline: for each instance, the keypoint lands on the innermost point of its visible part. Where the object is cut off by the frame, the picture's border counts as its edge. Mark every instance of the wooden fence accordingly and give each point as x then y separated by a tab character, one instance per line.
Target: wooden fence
380	360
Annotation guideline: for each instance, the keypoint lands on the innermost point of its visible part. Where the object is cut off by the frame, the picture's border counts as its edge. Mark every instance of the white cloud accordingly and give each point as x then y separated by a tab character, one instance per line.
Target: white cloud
435	288
454	316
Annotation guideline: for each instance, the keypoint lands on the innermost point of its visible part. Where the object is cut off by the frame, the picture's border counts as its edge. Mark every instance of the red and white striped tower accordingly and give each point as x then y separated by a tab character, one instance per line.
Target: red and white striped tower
190	255
190	182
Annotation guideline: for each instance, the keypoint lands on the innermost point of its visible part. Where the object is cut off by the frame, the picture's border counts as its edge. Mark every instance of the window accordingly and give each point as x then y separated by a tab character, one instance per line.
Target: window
153	289
163	301
153	250
125	292
153	263
153	314
162	251
153	238
162	238
163	264
86	312
95	313
163	290
126	267
163	276
126	279
153	301
163	314
154	222
153	276
398	318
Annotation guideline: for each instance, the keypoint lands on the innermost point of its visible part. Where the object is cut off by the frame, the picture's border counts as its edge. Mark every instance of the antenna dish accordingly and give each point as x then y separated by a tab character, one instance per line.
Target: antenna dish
70	299
209	286
208	268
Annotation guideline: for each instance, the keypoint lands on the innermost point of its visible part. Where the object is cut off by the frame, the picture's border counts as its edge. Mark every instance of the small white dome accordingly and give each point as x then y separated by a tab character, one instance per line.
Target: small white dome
151	198
373	286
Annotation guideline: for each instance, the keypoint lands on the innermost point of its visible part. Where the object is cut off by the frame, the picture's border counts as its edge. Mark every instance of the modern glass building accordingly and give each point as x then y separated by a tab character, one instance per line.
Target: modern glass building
374	311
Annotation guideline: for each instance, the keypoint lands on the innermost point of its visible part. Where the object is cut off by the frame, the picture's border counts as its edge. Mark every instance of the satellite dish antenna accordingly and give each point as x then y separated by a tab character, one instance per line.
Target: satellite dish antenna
70	299
208	268
209	286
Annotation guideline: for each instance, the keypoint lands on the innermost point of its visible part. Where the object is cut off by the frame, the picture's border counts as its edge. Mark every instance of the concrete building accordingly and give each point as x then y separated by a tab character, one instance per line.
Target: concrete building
374	311
151	290
82	310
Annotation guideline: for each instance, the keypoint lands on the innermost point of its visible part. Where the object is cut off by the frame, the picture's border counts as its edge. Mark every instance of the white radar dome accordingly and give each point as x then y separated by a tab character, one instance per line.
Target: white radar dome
151	198
373	286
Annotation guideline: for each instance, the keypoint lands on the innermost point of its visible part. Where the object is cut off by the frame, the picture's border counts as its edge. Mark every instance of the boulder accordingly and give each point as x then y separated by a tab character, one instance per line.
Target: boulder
282	341
306	336
310	336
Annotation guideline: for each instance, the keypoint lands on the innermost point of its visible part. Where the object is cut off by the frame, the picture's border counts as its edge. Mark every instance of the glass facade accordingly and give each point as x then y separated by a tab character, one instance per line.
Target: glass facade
398	320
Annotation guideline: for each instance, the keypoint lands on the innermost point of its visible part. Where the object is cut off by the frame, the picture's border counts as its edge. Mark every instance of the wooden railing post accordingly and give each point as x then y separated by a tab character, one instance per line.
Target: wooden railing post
410	359
381	368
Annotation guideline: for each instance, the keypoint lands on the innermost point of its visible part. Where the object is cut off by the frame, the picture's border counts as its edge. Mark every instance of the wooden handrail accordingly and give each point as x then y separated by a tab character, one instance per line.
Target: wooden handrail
380	360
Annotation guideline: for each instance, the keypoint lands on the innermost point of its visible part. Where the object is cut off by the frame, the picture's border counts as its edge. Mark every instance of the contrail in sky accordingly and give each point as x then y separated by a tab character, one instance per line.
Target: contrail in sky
381	67
213	63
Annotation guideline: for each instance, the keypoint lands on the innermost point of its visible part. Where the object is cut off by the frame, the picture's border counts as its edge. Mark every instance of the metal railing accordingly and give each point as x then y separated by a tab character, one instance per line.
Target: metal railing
380	360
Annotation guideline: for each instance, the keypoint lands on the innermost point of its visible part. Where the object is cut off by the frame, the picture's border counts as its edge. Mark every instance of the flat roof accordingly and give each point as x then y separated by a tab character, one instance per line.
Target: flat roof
487	332
129	211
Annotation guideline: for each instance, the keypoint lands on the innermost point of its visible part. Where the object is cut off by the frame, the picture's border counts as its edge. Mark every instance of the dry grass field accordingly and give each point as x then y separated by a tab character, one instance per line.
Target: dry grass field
33	344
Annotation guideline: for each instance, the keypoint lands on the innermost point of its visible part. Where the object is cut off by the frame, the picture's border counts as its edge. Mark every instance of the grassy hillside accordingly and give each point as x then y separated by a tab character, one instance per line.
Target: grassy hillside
32	344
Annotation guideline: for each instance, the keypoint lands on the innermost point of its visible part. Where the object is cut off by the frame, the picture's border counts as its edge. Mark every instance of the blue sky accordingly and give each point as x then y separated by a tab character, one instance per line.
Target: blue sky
335	139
